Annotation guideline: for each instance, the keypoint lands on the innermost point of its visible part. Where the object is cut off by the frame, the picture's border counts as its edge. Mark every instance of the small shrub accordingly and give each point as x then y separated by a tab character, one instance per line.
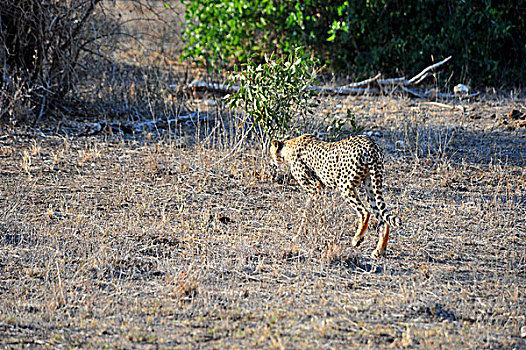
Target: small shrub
275	92
44	46
337	127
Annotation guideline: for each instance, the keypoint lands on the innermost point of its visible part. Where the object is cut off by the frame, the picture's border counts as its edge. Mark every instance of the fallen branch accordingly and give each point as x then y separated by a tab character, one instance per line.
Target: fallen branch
361	87
228	89
202	86
412	92
327	90
363	83
191	119
433	94
392	81
423	74
443	105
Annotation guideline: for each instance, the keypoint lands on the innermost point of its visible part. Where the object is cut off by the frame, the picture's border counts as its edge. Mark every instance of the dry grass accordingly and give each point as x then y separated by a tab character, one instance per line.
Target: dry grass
137	243
155	241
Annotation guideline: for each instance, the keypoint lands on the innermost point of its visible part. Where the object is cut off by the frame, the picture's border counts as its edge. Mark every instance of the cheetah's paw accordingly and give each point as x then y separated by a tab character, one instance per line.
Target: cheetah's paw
356	242
376	254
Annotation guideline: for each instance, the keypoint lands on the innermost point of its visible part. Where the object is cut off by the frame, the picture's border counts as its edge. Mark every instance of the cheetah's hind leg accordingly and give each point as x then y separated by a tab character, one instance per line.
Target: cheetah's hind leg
382	242
354	201
373	188
360	233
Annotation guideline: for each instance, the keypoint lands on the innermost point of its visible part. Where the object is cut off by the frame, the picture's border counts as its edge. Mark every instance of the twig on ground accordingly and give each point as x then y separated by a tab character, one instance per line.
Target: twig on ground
443	105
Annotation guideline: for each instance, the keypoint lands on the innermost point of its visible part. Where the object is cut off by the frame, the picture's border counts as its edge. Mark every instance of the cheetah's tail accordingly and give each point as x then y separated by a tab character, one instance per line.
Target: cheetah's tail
391	219
375	171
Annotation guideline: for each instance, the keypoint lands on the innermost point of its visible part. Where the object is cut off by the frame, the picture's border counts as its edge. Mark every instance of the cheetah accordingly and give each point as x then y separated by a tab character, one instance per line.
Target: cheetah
343	166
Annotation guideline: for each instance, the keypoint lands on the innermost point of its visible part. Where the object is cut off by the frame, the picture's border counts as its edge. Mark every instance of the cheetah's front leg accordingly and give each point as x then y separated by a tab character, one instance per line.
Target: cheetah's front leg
302	228
311	185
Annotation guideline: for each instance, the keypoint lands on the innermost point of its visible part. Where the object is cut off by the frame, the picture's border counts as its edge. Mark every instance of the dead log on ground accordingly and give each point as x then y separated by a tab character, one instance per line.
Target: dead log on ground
373	86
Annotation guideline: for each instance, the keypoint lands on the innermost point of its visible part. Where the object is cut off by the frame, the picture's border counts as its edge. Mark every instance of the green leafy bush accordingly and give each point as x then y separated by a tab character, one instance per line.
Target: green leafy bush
487	40
275	92
235	31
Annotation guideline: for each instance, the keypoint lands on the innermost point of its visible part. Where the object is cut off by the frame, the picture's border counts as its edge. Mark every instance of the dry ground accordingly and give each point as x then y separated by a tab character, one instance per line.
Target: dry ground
109	241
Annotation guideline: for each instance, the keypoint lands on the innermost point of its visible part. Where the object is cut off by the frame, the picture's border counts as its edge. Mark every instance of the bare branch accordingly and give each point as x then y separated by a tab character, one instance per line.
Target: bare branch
364	82
350	89
412	92
323	90
392	81
416	79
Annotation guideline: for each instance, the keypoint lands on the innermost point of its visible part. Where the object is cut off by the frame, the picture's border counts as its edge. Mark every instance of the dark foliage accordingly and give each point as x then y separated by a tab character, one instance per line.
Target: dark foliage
485	38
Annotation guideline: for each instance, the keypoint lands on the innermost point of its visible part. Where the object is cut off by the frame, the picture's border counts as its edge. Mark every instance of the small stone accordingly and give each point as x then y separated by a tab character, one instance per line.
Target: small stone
374	133
461	89
523	332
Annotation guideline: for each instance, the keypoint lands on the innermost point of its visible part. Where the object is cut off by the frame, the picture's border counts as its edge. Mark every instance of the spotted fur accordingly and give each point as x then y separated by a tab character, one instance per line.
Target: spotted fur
343	166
